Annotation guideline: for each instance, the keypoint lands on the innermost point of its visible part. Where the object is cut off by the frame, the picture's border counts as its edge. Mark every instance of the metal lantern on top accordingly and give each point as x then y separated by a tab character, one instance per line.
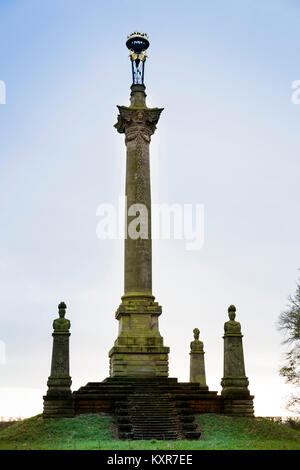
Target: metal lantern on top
138	43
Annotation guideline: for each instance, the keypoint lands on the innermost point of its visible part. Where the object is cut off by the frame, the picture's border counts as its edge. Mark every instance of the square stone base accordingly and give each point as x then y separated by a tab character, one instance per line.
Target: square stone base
239	406
58	406
139	361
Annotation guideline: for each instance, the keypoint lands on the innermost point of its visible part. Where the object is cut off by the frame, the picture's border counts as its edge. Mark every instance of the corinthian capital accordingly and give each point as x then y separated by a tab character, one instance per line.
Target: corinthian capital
134	122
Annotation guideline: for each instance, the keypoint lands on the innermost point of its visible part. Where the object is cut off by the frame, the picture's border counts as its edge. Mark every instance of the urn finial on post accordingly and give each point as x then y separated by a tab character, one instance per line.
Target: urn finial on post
59	400
197	366
237	398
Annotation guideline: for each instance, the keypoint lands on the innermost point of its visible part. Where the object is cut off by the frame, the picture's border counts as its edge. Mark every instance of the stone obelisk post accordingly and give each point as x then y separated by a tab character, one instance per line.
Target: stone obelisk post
139	349
197	365
237	398
59	400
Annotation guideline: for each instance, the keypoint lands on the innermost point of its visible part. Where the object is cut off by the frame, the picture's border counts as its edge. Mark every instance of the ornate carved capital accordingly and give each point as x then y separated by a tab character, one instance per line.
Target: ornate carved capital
134	122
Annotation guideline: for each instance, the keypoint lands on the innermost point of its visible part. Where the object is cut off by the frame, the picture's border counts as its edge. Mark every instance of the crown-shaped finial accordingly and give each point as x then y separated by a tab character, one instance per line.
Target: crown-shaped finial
138	34
138	43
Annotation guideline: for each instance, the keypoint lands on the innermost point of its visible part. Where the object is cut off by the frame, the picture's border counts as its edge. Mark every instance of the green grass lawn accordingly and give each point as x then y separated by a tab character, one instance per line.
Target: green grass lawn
97	432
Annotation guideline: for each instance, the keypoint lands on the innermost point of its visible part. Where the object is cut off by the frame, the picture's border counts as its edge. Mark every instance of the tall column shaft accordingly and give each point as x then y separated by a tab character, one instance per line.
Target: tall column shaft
138	251
139	349
138	123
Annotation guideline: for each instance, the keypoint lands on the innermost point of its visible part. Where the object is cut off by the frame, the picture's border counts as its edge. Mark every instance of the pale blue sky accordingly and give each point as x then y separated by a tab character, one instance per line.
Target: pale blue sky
228	138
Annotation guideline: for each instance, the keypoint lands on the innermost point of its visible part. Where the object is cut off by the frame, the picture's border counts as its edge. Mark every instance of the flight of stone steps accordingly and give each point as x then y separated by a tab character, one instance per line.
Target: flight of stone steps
149	408
147	415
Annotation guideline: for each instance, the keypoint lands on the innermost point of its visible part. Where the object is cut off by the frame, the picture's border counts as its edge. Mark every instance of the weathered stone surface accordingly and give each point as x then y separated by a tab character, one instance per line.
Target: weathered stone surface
59	400
197	365
139	349
237	398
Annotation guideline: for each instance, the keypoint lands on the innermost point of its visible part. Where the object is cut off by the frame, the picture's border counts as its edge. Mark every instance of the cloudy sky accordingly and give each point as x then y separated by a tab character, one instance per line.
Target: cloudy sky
228	138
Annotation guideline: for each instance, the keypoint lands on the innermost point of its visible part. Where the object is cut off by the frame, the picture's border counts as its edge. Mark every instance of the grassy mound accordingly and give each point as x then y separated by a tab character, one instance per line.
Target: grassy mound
96	432
224	432
60	433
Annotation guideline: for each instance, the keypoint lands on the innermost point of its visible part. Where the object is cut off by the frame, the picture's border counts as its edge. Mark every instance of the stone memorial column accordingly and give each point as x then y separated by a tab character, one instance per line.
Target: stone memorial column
197	366
237	398
138	350
59	400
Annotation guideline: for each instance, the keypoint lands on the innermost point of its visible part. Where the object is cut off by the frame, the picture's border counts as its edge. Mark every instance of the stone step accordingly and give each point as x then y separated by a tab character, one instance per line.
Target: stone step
157	438
158	430
126	435
154	430
187	418
152	419
108	394
189	426
152	412
123	420
185	412
148	405
125	427
153	424
150	408
101	387
152	405
156	435
153	394
139	380
148	416
146	420
147	398
192	435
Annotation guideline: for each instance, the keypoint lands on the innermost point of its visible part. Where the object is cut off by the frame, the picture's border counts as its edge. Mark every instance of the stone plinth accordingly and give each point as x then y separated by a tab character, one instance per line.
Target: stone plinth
197	365
59	400
237	398
139	349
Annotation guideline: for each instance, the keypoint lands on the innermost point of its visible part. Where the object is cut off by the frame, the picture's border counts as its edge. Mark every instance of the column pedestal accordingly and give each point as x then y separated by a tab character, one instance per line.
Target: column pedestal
138	351
197	365
59	401
237	398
